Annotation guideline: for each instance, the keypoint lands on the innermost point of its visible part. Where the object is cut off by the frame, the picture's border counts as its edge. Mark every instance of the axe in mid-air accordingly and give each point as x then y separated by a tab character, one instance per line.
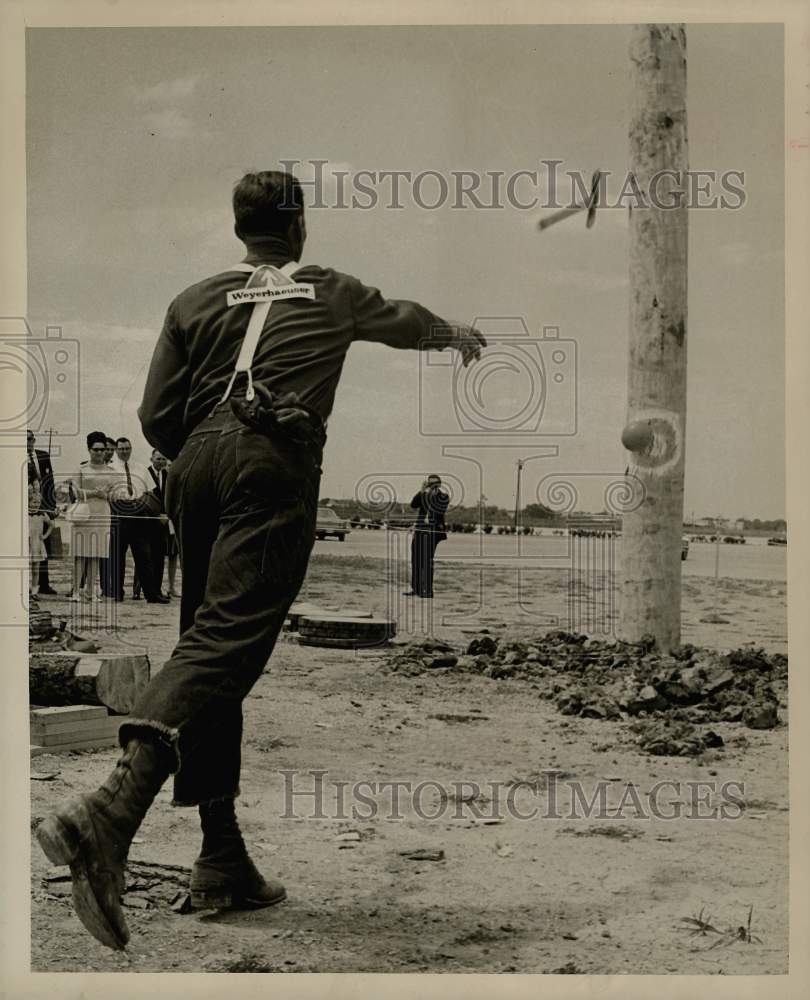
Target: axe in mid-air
591	205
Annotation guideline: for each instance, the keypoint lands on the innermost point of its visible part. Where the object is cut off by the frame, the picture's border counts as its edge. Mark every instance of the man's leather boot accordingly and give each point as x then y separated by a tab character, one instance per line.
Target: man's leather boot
93	832
223	876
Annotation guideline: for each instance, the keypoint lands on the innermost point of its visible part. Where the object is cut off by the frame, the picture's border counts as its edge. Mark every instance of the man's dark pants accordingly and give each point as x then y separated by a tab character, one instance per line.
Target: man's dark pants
245	549
131	533
157	541
157	538
423	549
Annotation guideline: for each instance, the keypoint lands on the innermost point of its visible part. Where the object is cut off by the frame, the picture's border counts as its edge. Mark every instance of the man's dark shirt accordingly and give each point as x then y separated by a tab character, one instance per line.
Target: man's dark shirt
159	489
431	505
302	347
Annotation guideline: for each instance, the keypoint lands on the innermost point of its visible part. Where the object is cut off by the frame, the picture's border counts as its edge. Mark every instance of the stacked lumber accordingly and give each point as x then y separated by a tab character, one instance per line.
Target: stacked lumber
344	632
72	727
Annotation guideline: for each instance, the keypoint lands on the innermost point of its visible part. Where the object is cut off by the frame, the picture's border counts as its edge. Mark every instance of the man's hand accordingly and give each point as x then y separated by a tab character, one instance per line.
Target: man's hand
468	342
288	411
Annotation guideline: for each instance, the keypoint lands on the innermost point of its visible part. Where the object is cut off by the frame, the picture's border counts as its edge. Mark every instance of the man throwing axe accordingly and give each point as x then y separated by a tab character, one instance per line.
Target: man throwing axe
237	395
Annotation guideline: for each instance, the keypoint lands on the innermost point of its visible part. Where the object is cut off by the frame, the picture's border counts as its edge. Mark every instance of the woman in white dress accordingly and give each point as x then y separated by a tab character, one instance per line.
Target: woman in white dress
89	517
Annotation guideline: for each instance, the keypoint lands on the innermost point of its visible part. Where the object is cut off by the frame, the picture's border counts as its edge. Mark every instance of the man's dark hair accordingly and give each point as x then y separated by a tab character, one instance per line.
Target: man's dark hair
266	203
122	440
110	441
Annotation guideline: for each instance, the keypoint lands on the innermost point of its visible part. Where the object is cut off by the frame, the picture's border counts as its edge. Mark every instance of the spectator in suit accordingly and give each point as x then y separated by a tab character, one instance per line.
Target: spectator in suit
39	527
172	558
161	464
133	505
104	565
158	530
431	502
41	471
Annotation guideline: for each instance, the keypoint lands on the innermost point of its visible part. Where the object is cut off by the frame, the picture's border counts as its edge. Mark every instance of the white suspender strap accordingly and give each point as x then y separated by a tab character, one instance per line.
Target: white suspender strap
265	284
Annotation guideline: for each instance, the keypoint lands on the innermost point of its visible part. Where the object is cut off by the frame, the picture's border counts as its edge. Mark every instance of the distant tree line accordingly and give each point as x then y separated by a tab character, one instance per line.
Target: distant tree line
533	515
457	518
756	525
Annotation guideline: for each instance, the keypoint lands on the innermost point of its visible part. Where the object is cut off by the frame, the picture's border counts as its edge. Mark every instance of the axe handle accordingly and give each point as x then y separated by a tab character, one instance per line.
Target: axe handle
559	216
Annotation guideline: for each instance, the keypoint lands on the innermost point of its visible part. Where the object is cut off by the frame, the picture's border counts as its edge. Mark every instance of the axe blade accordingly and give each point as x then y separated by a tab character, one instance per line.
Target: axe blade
593	200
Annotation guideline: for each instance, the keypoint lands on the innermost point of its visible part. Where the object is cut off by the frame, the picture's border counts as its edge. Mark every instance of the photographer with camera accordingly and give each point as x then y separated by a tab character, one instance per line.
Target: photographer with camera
431	502
237	397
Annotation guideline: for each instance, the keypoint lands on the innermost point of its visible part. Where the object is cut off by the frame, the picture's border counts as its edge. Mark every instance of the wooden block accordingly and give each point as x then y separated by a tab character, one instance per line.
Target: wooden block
105	731
112	679
66	713
105	723
120	677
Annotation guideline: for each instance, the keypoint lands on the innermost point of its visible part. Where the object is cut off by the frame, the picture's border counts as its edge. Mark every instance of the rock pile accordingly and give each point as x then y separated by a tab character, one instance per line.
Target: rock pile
612	679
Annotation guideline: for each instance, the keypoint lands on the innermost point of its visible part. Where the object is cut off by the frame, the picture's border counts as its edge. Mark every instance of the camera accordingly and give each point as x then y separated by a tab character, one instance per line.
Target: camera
48	368
523	386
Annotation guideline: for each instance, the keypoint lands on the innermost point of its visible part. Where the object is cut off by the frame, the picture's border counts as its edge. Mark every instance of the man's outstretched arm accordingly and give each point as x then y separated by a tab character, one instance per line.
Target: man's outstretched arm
162	409
407	325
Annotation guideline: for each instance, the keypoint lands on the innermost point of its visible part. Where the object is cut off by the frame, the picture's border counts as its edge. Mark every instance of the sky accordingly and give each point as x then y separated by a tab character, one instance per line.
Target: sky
135	138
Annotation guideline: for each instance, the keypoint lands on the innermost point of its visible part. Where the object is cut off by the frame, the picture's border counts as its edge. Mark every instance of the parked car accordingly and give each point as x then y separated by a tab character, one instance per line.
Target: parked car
684	547
328	523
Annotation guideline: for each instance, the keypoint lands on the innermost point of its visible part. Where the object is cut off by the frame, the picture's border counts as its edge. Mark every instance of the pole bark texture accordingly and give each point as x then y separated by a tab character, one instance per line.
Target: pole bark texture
656	400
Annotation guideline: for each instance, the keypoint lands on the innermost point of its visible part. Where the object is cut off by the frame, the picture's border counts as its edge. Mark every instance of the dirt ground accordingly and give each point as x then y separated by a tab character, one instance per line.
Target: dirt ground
573	895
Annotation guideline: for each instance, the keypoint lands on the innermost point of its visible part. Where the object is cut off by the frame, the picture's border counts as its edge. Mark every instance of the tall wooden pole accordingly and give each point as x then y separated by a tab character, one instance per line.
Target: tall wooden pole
656	400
